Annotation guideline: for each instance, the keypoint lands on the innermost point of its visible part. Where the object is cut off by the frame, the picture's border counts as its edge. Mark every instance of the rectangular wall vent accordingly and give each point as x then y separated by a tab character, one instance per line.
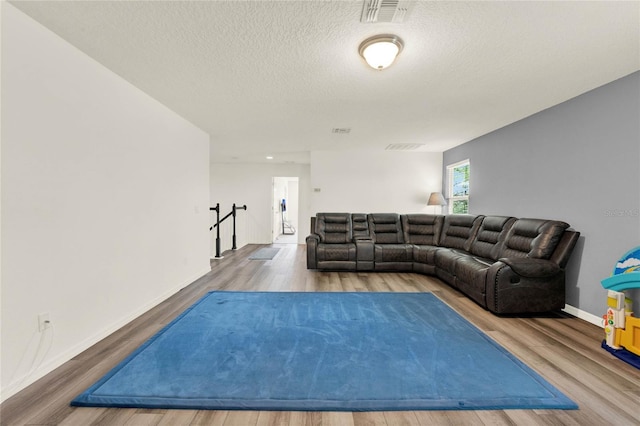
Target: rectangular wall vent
404	146
385	10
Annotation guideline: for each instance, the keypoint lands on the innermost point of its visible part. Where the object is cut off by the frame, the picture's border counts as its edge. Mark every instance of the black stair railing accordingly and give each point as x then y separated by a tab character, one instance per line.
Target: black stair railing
232	213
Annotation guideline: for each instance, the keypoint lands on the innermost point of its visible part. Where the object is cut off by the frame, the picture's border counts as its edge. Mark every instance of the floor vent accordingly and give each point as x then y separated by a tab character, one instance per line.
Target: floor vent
385	10
404	146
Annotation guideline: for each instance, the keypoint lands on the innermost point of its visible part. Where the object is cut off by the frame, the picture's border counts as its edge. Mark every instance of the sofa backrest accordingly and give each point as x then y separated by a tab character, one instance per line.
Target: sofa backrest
334	228
359	225
536	238
422	228
492	232
385	228
565	247
459	230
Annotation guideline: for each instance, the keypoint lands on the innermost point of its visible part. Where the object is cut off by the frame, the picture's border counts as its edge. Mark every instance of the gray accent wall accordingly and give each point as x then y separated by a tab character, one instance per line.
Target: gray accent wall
579	162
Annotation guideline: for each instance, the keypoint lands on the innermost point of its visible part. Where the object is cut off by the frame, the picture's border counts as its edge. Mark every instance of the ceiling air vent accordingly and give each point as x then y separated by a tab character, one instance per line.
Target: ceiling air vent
385	10
404	146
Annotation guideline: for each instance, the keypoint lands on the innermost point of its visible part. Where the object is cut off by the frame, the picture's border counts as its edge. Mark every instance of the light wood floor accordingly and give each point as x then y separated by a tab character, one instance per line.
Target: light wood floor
564	350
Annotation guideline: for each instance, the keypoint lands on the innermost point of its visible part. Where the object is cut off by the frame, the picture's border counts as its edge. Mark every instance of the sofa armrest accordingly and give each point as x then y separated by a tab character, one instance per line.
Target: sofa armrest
510	292
312	251
532	268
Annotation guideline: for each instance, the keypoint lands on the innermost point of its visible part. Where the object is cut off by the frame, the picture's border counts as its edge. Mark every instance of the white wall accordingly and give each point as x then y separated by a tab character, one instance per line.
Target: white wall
365	182
374	182
251	184
104	201
576	162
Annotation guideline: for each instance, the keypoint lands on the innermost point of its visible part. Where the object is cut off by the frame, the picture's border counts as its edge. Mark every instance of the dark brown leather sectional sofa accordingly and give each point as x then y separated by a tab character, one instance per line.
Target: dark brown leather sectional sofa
505	264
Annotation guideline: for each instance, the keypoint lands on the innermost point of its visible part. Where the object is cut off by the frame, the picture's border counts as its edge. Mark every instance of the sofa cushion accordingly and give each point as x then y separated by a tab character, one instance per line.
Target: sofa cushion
472	270
393	253
334	228
446	258
459	230
536	238
471	277
385	228
421	228
336	252
493	231
425	254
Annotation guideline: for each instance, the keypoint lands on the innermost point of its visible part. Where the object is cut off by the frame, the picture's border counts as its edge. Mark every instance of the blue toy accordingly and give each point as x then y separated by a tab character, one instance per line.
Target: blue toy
622	329
626	274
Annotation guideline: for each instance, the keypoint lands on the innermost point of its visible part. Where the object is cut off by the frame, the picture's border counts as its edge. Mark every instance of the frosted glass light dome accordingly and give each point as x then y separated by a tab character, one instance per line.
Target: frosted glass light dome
381	51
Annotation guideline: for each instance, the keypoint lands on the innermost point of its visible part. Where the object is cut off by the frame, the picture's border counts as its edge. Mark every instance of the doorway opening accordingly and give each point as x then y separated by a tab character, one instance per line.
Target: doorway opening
285	210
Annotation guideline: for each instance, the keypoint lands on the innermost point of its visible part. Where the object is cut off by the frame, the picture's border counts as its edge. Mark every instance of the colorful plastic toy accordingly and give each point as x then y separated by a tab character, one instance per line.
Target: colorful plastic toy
621	328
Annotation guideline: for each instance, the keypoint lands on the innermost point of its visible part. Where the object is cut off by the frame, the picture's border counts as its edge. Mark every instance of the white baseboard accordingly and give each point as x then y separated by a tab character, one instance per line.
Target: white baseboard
47	367
593	319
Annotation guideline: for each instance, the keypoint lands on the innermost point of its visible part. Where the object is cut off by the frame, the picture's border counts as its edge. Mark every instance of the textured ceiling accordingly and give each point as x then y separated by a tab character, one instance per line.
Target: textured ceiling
275	77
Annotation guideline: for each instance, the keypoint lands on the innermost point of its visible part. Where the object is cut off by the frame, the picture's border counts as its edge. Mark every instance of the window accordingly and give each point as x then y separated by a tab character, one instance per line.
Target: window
458	187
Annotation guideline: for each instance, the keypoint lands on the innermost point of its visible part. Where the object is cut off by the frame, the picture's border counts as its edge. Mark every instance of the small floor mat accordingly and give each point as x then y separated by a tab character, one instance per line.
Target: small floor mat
266	253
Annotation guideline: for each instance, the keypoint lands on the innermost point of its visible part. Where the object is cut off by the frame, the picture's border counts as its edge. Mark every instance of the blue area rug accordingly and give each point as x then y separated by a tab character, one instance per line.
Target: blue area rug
322	351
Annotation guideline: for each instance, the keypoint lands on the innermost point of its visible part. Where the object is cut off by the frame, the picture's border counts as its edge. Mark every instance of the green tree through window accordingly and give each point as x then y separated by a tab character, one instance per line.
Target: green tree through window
458	187
460	207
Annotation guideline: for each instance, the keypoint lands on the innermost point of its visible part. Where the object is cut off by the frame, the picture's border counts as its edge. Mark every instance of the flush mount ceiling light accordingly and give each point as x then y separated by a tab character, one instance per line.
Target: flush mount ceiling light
380	51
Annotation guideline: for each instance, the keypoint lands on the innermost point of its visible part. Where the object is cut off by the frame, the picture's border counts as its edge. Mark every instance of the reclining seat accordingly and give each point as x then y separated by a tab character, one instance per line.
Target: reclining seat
529	274
423	232
458	231
471	271
390	251
331	246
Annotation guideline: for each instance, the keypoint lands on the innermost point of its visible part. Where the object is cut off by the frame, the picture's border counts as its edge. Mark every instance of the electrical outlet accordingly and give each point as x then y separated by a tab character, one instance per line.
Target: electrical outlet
43	321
